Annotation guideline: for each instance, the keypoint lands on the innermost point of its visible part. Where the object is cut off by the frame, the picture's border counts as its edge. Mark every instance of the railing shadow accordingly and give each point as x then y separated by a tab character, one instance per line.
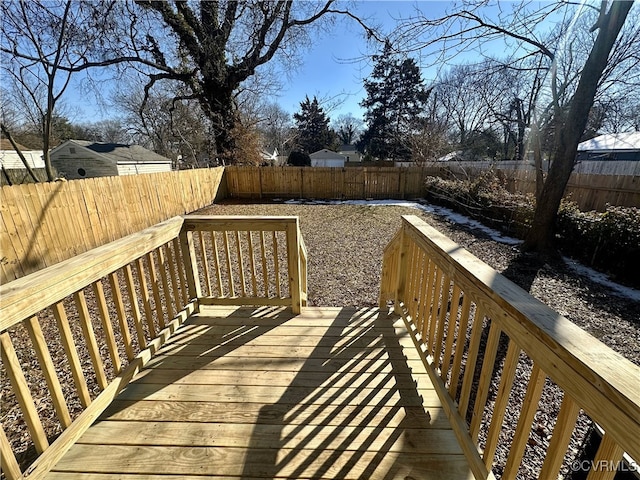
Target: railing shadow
362	403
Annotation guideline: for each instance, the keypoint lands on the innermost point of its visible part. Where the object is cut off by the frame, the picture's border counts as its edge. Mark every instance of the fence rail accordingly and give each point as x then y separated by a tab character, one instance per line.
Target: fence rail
47	223
475	329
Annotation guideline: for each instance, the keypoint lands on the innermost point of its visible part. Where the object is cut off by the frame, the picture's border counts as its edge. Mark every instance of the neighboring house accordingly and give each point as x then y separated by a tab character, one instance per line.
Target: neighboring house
618	146
327	158
13	170
350	153
84	159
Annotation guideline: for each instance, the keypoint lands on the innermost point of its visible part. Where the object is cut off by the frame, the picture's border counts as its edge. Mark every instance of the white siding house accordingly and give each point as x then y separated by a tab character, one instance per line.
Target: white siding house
350	153
76	159
327	158
10	160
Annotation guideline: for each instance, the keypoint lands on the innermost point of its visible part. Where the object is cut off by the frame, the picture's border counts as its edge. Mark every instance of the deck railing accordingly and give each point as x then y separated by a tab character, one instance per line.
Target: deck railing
149	283
475	329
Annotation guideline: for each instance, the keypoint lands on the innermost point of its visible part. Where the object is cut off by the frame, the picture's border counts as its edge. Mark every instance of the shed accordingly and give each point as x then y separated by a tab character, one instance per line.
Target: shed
327	158
84	159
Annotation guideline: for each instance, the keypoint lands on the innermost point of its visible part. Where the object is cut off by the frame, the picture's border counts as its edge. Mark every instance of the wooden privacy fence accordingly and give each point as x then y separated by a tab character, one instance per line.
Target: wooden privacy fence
46	223
325	183
475	329
589	191
148	282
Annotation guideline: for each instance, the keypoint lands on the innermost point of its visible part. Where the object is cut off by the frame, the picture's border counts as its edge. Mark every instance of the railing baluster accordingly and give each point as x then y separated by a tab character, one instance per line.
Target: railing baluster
502	400
227	254
90	338
410	287
175	286
470	364
72	353
146	299
135	309
205	263
437	350
434	310
276	265
433	268
484	382
265	272
527	413
22	393
608	456
454	306
122	315
252	264
10	466
106	325
561	437
171	311
217	262
180	265
240	265
49	370
155	288
462	337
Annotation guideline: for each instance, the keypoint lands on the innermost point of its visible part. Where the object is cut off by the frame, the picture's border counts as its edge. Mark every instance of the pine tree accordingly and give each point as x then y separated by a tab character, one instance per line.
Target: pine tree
313	127
396	98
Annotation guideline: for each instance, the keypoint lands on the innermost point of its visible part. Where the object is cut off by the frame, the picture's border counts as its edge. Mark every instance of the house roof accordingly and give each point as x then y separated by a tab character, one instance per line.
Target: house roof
347	148
5	144
120	152
617	142
325	154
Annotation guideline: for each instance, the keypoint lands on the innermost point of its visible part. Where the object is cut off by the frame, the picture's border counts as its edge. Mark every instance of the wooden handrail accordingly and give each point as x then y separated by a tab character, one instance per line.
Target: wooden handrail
154	280
440	287
248	251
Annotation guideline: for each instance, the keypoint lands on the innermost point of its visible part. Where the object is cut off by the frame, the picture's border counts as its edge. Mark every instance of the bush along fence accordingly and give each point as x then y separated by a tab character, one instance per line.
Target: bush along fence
588	191
608	241
47	223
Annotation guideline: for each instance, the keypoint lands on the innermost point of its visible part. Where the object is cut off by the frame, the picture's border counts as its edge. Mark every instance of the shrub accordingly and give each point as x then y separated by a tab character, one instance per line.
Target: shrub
608	241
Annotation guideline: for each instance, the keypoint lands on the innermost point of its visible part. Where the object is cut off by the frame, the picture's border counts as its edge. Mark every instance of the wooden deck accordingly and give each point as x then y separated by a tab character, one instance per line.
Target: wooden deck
332	393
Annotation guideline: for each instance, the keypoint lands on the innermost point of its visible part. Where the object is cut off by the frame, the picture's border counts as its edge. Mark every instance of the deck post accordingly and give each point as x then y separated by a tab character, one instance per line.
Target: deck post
293	259
400	280
190	264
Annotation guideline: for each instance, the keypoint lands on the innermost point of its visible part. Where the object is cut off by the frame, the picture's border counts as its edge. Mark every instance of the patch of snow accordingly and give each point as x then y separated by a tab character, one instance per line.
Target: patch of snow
602	279
494	234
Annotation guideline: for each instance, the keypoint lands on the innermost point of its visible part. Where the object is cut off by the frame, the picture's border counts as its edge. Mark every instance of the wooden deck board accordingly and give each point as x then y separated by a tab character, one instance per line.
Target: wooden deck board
246	393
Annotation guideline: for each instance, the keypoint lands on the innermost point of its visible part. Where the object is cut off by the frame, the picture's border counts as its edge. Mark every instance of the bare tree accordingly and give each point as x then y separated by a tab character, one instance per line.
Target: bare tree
224	44
348	128
44	44
573	84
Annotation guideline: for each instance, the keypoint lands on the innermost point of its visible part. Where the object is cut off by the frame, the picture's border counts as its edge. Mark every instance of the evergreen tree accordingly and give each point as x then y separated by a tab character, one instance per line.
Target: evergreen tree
313	127
396	98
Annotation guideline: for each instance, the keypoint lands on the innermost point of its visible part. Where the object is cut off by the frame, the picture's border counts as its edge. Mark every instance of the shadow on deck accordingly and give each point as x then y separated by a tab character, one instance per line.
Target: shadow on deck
262	393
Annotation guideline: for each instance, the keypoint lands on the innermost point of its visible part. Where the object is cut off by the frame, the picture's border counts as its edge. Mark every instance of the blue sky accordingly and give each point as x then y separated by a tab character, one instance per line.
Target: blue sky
334	68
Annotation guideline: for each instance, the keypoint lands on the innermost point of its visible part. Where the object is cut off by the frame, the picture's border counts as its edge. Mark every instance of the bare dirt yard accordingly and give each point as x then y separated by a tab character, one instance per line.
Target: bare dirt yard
345	245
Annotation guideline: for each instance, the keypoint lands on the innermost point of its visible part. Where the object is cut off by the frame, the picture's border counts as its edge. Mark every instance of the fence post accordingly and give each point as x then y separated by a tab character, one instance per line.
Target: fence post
190	263
293	260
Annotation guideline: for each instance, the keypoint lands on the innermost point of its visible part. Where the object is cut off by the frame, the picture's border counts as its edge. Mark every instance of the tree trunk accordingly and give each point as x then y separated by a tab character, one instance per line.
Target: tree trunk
541	236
